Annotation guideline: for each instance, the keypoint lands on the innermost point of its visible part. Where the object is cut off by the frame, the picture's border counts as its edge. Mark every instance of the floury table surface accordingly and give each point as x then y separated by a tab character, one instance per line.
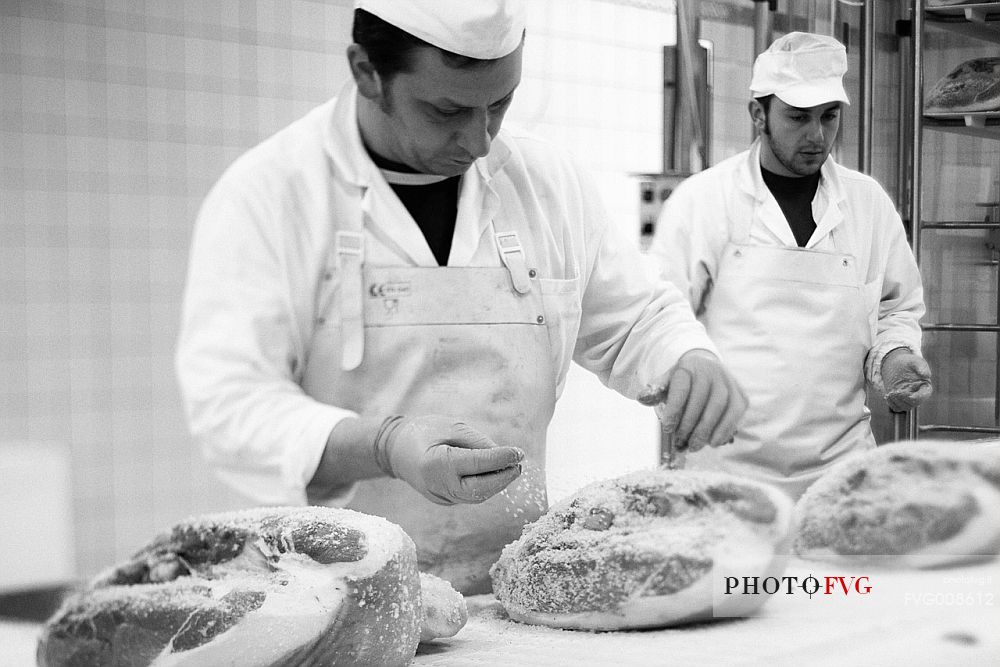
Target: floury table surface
932	618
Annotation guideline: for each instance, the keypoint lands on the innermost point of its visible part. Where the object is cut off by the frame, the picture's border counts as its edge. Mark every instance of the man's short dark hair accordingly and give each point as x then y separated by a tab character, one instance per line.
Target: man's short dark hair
390	49
765	102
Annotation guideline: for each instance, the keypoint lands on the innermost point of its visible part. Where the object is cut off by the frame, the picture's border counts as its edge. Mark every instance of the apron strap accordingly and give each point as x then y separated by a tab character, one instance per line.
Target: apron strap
349	247
512	256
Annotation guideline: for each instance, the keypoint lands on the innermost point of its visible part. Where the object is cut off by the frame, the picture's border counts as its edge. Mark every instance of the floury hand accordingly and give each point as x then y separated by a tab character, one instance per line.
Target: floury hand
447	461
906	378
697	401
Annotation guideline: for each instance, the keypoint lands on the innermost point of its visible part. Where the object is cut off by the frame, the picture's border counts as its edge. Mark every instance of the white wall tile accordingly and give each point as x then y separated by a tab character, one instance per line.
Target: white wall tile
122	115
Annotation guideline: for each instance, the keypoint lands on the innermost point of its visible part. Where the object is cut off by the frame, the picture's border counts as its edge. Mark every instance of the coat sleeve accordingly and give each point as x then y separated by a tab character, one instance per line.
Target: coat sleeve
901	296
240	350
634	326
690	235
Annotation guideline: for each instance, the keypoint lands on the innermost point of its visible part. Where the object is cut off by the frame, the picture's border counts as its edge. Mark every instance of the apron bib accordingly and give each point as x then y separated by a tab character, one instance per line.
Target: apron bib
470	343
792	325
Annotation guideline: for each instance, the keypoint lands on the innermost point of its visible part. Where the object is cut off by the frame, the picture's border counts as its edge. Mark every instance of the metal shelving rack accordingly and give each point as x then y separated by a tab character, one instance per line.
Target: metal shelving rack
985	124
980	21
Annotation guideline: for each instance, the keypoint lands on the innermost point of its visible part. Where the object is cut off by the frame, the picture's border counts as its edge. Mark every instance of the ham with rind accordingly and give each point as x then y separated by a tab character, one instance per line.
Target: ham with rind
972	86
266	587
910	504
648	549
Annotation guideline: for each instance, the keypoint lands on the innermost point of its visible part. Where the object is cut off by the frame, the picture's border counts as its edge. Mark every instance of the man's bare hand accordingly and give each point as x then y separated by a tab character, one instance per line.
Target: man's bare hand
698	401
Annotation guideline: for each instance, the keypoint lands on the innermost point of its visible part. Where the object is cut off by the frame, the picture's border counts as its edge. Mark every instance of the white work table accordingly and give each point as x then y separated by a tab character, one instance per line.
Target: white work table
925	620
932	618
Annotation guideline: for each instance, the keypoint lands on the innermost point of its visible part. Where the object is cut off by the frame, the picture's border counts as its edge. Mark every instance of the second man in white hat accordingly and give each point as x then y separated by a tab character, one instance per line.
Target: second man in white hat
801	272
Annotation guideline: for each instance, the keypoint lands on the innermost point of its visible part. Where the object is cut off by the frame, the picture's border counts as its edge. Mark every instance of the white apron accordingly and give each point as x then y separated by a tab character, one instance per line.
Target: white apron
471	343
793	326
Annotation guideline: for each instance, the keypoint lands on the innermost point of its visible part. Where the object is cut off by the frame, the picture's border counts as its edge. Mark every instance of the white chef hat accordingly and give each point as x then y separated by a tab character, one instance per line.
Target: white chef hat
802	69
484	29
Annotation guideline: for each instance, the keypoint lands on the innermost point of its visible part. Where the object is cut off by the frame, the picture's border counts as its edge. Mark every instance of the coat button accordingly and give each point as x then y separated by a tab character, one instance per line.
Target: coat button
532	273
738	253
846	262
540	319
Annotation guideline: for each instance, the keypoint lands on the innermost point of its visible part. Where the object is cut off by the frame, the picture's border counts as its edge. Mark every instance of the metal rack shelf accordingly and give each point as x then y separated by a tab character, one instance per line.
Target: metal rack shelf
950	326
984	124
980	19
962	225
944	428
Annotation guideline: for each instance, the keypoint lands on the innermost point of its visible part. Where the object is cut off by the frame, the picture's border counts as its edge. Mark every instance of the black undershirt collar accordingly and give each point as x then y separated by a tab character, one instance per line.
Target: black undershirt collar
794	195
432	205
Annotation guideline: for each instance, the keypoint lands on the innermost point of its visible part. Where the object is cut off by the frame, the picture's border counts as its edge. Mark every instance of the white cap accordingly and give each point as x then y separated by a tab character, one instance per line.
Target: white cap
484	29
803	69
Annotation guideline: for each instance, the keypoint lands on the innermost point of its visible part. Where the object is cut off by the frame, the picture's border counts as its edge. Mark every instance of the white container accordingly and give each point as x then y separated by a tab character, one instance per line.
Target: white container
36	516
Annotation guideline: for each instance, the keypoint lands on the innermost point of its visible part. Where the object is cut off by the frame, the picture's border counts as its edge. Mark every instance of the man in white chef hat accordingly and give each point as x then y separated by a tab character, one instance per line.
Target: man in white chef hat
384	297
801	272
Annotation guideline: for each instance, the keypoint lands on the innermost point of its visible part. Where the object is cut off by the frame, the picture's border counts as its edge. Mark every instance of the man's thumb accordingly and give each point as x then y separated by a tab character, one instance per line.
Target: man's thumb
463	435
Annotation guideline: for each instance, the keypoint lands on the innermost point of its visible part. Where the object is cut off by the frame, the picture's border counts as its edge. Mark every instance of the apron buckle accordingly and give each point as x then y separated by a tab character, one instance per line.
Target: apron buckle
512	256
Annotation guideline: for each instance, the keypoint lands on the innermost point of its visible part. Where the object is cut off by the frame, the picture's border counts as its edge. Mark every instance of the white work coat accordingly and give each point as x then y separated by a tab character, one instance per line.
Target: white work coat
262	275
801	328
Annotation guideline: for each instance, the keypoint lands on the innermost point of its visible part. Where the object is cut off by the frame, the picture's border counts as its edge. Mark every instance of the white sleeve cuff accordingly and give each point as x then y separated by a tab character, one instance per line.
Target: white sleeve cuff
303	465
669	357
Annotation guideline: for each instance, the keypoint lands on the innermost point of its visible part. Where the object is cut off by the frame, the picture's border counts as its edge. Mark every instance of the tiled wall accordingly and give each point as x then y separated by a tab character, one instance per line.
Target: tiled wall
732	47
116	119
593	84
118	115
